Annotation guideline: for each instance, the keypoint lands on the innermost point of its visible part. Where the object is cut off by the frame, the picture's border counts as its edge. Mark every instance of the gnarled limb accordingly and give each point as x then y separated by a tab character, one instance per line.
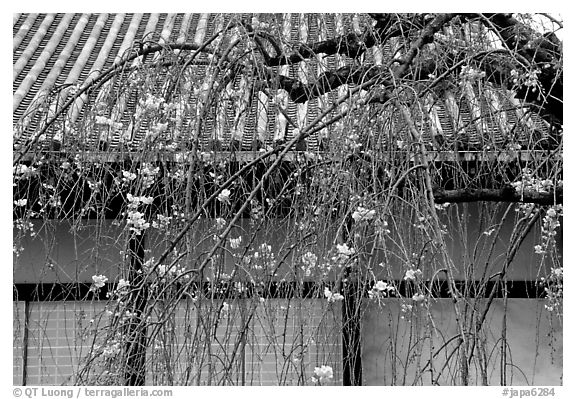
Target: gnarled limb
507	194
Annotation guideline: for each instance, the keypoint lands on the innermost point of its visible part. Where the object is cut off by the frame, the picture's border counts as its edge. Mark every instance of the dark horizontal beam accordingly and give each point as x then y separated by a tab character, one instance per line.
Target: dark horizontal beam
50	292
507	194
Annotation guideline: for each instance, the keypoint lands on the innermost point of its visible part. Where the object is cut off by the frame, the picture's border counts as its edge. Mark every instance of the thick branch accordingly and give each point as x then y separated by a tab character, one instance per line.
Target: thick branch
544	52
300	92
352	46
507	194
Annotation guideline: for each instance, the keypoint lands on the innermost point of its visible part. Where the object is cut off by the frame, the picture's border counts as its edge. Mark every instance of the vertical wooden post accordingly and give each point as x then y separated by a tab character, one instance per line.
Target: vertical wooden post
135	372
351	335
351	338
25	342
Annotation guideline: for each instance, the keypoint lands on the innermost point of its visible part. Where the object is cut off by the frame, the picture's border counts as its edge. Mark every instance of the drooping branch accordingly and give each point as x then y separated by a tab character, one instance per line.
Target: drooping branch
507	194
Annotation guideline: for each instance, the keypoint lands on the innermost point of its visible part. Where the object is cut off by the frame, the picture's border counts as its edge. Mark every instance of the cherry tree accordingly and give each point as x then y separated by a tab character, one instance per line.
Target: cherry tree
416	115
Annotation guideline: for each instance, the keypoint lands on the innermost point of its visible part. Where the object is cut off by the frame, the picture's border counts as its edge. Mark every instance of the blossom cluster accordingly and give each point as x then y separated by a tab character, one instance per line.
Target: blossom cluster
344	250
554	290
332	296
362	214
135	201
162	222
235	242
381	289
533	183
309	260
21	202
322	374
470	74
156	130
103	121
136	222
148	173
529	79
262	259
412	274
170	273
110	349
25	226
550	223
352	142
98	281
151	103
224	196
220	223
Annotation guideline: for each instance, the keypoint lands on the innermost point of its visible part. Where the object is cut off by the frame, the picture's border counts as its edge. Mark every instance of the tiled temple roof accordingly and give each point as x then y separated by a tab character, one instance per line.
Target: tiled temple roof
54	54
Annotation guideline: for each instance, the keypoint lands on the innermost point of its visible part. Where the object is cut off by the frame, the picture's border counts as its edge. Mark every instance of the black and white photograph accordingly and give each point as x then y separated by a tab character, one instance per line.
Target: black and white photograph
287	199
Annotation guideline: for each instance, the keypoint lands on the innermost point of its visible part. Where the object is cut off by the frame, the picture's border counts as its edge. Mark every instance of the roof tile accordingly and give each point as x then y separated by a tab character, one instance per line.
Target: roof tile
78	48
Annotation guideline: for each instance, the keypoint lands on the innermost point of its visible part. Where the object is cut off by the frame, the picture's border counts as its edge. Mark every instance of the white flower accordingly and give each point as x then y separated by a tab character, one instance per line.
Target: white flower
337	297
406	308
265	248
412	274
489	232
111	349
99	280
380	289
136	222
332	296
381	286
162	270
362	214
21	202
147	200
235	242
538	249
224	196
128	176
136	200
102	120
122	287
309	259
159	128
23	171
418	298
344	250
220	223
558	272
162	222
323	374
